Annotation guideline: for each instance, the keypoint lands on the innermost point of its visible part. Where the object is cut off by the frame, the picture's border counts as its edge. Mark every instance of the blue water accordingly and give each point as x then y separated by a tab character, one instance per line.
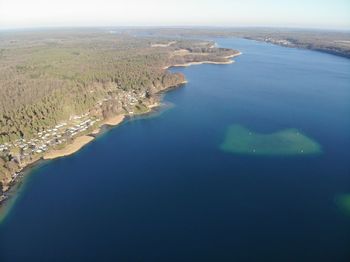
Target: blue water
159	188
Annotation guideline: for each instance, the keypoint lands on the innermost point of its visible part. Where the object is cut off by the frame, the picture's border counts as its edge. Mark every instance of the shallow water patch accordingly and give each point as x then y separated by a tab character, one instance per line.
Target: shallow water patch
343	202
240	140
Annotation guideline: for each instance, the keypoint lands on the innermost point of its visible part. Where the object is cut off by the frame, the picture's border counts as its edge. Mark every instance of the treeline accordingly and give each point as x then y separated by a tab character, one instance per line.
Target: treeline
45	83
47	77
328	41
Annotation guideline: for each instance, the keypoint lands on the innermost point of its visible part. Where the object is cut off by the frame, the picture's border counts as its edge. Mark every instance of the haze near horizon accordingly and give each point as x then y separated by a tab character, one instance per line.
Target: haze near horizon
321	14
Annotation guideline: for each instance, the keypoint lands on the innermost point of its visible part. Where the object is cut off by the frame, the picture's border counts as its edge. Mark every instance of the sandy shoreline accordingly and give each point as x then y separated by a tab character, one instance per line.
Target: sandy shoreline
81	141
113	121
96	131
156	104
69	149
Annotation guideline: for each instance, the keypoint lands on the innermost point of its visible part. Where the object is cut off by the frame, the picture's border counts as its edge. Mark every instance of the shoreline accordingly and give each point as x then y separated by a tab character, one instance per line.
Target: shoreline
70	149
200	63
113	121
81	141
234	55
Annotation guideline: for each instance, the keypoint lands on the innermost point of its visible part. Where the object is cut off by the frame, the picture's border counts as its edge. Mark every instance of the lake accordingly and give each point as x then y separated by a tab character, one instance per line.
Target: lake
161	188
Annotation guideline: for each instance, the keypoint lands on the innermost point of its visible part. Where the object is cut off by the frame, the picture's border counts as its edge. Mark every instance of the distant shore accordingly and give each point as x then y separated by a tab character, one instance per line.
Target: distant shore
200	63
207	62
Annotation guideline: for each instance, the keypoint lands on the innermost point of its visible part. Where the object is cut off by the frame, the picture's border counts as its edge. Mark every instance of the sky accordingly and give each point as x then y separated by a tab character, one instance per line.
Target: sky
327	14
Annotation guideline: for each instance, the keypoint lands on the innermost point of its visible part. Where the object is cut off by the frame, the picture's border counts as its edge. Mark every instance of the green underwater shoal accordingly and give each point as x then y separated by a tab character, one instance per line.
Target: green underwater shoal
343	202
240	140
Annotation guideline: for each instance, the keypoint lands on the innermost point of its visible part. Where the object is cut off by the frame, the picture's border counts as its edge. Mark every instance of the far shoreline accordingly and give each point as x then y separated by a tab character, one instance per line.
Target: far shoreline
229	61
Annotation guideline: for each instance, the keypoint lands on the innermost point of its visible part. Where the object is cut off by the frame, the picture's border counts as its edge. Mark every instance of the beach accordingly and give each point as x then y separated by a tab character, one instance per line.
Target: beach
70	149
113	121
81	141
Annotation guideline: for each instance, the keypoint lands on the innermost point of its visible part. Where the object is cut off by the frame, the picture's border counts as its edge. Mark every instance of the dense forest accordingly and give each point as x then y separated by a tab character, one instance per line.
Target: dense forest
44	82
48	77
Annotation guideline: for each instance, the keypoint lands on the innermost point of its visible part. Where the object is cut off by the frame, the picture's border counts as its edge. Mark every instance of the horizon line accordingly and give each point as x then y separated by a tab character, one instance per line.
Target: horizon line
55	27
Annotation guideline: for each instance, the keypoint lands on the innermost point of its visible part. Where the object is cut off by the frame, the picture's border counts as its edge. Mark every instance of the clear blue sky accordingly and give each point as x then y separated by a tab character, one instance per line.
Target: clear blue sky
285	13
